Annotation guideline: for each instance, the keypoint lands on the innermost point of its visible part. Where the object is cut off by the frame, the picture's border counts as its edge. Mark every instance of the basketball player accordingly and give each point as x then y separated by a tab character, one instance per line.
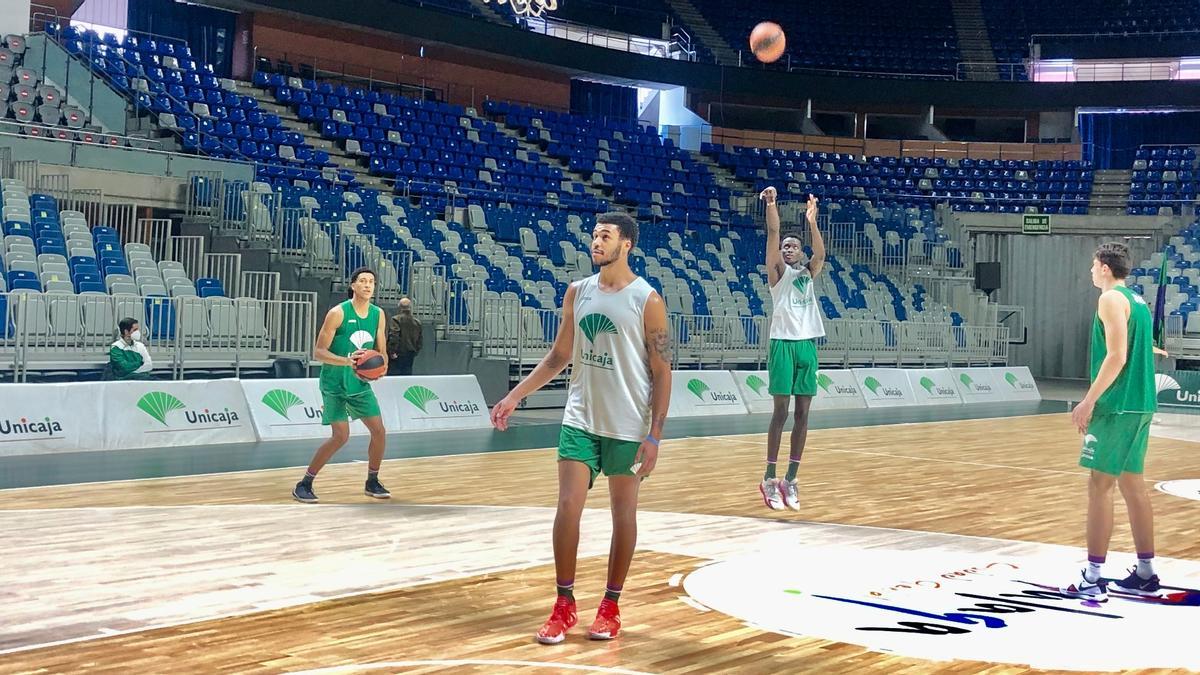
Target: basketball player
350	328
792	359
1115	417
614	334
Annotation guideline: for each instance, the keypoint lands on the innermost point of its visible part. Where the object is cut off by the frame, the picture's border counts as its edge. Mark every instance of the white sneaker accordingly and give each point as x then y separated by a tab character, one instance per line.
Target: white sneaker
791	494
770	494
1096	591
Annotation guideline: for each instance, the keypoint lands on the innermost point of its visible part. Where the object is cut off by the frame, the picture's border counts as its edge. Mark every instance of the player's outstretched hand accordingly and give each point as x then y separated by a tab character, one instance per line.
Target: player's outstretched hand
769	195
811	212
502	411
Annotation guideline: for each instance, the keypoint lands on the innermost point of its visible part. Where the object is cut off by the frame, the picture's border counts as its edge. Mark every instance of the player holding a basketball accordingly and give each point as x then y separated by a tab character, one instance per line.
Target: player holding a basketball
350	329
614	333
792	358
1114	417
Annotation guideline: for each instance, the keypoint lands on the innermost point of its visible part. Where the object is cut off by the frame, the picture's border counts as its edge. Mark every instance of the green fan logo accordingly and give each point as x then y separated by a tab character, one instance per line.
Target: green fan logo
823	381
801	283
697	387
420	396
971	385
927	385
756	383
965	379
281	401
872	384
159	405
594	325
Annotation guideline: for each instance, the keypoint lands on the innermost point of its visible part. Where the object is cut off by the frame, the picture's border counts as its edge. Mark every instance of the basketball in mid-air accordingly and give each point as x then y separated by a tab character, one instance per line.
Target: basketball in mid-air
767	41
371	365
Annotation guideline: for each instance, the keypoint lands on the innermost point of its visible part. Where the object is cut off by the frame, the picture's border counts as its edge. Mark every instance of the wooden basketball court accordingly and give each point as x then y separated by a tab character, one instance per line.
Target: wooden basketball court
224	573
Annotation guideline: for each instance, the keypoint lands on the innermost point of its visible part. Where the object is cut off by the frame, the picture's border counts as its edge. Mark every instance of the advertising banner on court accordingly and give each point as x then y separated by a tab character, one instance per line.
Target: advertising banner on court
884	387
933	386
288	409
1017	384
702	393
163	414
980	385
753	385
45	418
1178	389
422	403
838	389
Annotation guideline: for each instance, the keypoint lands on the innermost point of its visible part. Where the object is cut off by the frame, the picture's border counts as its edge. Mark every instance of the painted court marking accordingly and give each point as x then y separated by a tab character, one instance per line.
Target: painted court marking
360	667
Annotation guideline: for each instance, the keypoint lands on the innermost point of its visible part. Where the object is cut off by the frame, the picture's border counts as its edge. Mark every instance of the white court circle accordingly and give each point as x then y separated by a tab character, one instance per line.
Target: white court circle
1187	489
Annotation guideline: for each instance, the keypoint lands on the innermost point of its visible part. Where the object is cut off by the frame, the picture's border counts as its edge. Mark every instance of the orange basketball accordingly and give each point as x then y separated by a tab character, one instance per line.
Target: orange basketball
371	365
767	41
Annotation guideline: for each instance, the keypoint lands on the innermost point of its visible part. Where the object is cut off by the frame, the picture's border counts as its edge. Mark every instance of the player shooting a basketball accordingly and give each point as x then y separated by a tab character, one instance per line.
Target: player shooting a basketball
792	359
350	329
614	333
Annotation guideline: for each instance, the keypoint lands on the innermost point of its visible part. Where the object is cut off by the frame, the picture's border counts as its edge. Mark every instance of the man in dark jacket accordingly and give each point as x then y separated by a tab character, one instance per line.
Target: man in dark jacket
404	340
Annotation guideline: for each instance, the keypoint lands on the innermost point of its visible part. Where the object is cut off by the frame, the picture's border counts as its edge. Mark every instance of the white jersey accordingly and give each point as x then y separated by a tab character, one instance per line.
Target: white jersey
610	369
795	314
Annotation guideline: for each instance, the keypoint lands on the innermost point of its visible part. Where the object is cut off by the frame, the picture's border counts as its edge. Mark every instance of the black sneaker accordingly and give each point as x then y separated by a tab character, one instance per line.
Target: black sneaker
375	489
1137	585
304	493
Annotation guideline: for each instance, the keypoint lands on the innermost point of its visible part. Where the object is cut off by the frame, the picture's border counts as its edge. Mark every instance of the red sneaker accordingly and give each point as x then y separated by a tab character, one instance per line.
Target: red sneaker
561	620
607	623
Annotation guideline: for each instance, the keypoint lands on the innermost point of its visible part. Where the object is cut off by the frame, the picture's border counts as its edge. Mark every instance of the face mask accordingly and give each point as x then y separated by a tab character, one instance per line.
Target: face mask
136	335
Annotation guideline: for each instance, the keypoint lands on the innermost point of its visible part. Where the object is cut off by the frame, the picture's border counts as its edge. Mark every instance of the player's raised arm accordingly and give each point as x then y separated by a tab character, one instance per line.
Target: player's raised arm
774	259
817	262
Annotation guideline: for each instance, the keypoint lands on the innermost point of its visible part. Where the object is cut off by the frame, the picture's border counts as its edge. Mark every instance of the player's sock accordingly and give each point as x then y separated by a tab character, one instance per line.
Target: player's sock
793	468
566	589
1145	565
770	471
612	593
373	475
308	478
1092	573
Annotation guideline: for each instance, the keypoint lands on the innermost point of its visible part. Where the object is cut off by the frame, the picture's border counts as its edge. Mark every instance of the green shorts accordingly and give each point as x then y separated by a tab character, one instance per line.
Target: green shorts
1116	443
792	366
612	456
342	408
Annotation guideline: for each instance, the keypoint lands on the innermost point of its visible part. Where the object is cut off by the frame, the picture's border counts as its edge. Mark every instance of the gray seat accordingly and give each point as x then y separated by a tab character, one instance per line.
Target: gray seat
222	317
65	322
192	315
97	314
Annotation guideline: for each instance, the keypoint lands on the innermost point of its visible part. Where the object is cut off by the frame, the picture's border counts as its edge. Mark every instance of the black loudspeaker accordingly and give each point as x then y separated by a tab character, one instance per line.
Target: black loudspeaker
987	276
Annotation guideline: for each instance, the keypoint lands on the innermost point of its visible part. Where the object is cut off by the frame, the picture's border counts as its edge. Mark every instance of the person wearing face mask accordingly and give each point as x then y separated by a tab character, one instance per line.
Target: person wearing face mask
128	358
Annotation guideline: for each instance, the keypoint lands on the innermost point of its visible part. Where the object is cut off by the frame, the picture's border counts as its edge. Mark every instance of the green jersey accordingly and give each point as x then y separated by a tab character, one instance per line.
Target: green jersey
1133	390
355	333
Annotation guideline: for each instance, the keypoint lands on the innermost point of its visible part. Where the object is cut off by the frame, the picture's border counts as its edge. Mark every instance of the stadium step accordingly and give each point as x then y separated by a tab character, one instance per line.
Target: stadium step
979	59
704	32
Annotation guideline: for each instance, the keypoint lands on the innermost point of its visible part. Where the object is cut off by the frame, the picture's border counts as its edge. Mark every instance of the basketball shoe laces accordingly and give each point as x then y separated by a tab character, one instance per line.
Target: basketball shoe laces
561	619
608	618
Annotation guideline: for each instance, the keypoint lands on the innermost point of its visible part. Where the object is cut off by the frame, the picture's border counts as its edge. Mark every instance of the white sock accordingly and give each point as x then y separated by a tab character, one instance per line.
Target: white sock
1145	567
1092	573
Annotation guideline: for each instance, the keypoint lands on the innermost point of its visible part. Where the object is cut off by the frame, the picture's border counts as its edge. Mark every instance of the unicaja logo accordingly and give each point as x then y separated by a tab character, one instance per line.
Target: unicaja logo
159	405
880	390
708	396
823	381
933	389
1171	392
969	383
801	284
1015	382
282	401
27	429
421	397
593	326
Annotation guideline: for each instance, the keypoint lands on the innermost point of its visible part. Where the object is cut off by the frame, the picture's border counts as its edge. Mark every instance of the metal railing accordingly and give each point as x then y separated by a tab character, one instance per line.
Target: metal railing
47	332
524	334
